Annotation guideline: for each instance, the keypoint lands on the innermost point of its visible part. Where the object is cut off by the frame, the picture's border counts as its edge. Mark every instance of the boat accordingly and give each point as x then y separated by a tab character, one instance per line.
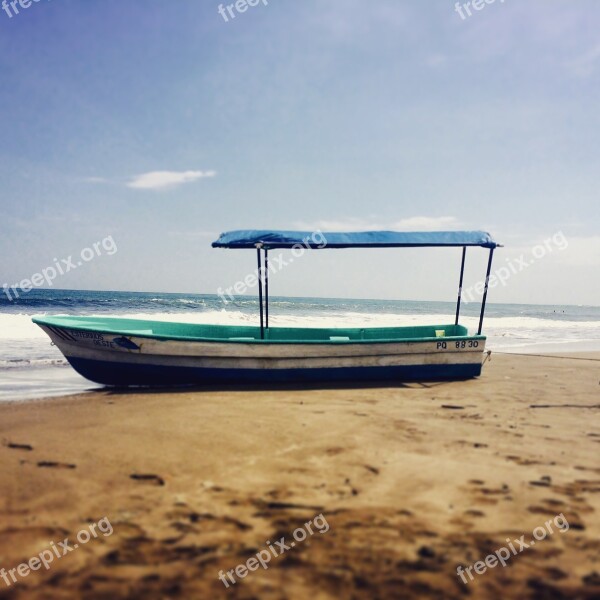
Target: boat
130	352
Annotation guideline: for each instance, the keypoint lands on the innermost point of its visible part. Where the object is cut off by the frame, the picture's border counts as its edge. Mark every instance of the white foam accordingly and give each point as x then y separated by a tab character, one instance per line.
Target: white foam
18	327
503	329
22	363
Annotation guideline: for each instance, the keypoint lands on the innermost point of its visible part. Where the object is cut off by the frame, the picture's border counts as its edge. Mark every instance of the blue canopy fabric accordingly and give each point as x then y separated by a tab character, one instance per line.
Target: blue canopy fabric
269	239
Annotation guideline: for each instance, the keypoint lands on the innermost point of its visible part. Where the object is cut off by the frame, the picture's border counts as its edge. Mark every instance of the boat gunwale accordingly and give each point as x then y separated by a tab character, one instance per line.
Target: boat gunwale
165	337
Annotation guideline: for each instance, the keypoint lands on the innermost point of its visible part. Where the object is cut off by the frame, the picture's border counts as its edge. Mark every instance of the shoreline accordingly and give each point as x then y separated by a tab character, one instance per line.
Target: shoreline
414	481
67	382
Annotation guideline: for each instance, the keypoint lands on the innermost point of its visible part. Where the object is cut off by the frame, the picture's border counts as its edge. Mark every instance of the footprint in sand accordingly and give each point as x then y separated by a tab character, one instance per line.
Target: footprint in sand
14	446
525	462
55	465
148	477
426	552
548	511
555	574
490	496
553	502
592	578
353	490
541	483
582	468
334	451
474	513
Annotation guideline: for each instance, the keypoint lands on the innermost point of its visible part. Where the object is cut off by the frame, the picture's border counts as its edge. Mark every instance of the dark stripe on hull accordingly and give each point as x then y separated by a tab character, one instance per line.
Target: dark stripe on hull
61	333
123	374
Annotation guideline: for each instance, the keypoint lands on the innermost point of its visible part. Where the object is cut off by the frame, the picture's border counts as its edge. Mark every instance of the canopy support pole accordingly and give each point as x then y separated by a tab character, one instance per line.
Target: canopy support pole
460	283
260	292
485	290
266	288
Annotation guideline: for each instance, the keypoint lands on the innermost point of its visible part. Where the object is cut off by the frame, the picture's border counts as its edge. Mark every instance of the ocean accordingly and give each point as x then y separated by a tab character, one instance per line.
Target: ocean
31	367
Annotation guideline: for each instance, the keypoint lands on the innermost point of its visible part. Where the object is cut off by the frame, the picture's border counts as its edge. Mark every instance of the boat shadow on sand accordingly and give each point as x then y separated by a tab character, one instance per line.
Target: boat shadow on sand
272	387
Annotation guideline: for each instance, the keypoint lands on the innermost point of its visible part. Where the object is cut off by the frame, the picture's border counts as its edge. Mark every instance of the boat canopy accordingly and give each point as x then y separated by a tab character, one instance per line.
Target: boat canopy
264	240
271	239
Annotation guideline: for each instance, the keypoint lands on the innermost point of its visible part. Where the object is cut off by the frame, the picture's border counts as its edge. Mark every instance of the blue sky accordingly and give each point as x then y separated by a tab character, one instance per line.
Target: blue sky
161	125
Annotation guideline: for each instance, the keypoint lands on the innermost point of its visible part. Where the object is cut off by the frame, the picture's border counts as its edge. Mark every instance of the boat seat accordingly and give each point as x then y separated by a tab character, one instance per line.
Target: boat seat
339	338
241	339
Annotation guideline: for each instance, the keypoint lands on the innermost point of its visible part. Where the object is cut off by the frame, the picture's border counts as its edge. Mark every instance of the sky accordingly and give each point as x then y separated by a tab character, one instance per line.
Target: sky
158	125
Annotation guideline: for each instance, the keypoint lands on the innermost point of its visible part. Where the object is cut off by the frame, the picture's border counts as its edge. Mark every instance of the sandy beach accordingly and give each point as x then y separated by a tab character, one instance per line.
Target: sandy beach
412	481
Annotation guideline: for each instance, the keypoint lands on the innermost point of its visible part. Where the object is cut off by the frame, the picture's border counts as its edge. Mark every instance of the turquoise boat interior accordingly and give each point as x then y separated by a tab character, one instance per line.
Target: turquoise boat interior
244	334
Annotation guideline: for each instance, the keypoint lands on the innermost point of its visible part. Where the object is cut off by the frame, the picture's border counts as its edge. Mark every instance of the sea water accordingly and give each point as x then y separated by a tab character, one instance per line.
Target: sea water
31	367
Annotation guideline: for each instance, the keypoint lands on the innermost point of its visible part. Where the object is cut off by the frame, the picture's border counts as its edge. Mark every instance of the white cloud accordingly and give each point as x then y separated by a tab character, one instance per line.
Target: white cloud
426	223
156	180
213	234
356	224
95	180
351	224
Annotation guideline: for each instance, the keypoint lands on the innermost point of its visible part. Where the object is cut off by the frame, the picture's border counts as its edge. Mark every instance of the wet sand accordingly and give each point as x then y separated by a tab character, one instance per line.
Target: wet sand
413	481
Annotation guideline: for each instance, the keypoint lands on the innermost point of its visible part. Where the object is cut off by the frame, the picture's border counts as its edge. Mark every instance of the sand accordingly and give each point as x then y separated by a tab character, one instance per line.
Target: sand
412	481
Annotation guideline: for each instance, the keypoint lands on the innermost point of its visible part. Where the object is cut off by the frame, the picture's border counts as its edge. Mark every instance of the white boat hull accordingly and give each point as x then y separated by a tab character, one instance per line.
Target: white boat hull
137	360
